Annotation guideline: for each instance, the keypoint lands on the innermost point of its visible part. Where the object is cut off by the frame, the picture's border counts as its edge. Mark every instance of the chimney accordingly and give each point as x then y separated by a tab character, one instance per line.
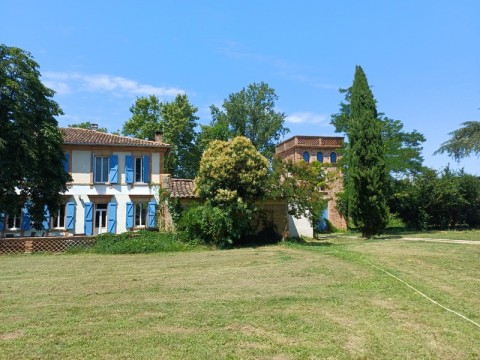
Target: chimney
94	127
159	136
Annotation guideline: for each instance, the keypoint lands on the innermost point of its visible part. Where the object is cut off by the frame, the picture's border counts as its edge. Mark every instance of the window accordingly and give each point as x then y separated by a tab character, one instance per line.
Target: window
306	156
58	219
101	169
100	216
141	210
15	221
138	169
333	157
320	156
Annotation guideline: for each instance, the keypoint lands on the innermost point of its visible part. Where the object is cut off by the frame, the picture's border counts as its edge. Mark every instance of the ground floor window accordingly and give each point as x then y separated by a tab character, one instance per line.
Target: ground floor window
140	215
14	222
58	218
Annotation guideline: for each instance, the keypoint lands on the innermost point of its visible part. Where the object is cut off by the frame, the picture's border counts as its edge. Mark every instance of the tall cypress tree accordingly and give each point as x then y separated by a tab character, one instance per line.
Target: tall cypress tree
366	172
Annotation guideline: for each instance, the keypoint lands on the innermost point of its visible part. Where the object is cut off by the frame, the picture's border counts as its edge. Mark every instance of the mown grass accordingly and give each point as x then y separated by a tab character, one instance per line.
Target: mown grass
319	299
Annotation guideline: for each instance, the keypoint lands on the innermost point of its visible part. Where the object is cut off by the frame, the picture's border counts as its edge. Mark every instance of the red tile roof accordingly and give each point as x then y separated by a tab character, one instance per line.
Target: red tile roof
78	136
182	188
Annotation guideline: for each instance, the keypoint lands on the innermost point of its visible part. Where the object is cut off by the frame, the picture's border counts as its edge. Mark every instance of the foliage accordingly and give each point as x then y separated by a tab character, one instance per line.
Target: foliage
302	184
87	125
464	141
178	124
30	141
250	113
138	242
402	149
443	200
146	118
231	178
366	172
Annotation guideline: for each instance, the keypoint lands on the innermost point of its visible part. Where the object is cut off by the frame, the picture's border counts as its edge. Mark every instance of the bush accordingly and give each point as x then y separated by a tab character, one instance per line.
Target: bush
138	242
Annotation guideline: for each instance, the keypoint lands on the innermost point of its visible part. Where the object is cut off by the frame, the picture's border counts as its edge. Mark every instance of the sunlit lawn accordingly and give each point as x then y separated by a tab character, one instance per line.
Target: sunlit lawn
323	300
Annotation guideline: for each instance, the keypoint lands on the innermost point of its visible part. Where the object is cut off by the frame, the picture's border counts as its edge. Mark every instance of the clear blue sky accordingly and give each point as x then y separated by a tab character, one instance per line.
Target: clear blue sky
422	57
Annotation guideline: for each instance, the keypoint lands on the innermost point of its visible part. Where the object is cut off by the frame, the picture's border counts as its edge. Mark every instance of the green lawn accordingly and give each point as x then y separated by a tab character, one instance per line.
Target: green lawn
320	300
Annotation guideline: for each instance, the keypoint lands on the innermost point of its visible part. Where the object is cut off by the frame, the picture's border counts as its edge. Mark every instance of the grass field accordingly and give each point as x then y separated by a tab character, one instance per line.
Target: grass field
293	301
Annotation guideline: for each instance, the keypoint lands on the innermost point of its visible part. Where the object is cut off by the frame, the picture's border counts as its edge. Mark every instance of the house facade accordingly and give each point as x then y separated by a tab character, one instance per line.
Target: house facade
325	149
114	189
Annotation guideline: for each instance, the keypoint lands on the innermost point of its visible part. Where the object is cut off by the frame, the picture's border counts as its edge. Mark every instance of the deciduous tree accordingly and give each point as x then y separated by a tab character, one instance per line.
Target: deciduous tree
32	159
146	118
87	125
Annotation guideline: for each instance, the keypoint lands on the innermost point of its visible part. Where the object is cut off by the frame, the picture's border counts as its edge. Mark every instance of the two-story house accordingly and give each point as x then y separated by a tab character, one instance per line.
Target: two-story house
114	189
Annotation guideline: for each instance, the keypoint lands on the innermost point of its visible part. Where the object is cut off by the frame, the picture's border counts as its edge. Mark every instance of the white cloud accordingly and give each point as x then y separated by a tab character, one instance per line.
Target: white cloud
66	83
306	118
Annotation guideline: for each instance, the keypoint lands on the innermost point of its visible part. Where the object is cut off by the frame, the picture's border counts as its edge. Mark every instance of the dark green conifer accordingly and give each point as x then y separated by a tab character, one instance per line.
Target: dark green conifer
366	172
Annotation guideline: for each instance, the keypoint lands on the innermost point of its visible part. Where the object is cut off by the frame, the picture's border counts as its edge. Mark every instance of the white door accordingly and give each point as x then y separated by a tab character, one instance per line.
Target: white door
100	219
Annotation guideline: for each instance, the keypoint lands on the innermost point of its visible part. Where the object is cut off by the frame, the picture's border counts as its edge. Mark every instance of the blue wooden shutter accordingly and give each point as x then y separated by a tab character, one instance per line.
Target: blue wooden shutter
66	163
151	213
70	210
113	176
112	217
129	215
25	218
46	219
129	169
322	222
320	157
2	221
146	169
333	157
88	218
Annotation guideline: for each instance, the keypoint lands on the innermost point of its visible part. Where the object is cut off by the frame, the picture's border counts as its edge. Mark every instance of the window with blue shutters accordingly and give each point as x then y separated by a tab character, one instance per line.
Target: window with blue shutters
25	218
151	213
46	218
113	176
320	156
112	217
129	219
306	156
2	221
88	218
333	157
70	215
129	169
66	163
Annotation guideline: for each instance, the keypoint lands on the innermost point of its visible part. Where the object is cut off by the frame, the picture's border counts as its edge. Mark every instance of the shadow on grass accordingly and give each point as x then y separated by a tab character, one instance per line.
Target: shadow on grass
301	241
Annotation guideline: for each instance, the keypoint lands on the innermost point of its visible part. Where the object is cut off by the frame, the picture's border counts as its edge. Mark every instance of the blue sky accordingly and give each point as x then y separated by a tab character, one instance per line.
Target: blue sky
421	57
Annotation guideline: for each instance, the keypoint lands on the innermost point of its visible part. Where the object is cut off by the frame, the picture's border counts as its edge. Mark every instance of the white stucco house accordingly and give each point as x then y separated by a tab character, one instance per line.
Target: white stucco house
114	189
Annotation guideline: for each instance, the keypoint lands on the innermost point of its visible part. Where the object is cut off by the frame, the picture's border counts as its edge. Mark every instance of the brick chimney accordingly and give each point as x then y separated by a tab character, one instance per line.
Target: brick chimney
159	136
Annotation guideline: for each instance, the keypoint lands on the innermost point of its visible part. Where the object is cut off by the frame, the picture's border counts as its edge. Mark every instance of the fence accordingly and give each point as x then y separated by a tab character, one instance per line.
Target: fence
51	245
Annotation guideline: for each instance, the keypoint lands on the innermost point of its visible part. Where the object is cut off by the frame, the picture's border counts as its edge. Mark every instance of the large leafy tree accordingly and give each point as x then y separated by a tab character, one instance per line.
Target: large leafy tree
32	159
464	141
232	175
146	118
366	170
178	123
403	150
250	113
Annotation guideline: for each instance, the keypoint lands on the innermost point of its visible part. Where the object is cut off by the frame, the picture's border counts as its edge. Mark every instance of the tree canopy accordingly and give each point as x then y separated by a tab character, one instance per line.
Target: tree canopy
366	172
146	118
464	141
402	149
178	123
250	113
32	170
87	125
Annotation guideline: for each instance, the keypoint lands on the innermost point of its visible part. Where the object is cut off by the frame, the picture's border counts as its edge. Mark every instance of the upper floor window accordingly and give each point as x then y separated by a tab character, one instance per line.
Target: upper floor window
333	157
138	169
101	169
306	156
320	157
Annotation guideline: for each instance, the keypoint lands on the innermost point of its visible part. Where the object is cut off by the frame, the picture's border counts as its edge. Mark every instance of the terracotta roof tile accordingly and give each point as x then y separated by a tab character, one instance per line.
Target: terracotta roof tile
78	136
182	188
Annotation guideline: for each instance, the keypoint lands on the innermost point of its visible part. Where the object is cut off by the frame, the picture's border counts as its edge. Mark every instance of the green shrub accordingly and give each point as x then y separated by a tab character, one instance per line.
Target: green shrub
139	242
